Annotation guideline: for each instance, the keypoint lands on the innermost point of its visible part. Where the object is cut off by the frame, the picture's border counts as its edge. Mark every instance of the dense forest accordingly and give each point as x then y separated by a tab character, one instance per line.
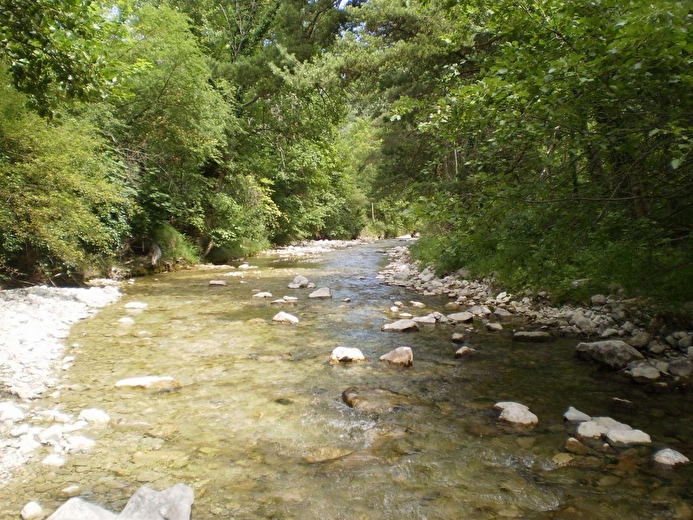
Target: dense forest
545	142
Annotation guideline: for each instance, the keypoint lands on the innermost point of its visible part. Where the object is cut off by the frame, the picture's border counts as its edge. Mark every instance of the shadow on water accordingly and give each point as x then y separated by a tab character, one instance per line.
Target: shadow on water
259	428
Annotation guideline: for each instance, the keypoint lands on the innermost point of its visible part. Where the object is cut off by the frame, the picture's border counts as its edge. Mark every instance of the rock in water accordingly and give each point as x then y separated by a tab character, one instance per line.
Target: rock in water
298	282
670	457
401	326
346	355
464	351
285	317
402	356
161	382
616	354
323	292
516	413
32	511
461	317
217	283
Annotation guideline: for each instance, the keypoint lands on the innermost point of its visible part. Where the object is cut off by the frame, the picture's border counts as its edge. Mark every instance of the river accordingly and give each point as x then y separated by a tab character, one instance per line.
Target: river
259	428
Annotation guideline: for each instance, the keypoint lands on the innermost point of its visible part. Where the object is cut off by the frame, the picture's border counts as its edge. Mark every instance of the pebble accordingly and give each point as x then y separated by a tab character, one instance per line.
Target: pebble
32	511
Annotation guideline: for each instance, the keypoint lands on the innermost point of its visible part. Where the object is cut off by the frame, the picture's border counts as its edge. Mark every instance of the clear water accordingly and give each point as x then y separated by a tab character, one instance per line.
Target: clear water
259	429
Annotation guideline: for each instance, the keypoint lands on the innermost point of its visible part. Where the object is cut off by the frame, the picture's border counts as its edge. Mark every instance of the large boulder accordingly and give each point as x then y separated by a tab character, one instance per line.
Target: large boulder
614	353
402	356
623	438
401	326
670	457
299	282
346	355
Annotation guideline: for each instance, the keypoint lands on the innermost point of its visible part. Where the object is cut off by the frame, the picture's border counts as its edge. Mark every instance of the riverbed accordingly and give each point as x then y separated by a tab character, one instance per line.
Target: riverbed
258	427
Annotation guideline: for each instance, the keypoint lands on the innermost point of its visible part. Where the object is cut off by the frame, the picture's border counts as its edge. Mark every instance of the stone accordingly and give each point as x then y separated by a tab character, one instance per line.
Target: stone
535	336
285	317
54	460
598	300
516	413
461	317
10	412
640	340
32	511
492	326
346	355
78	509
405	325
401	356
670	457
681	367
160	382
94	415
479	310
299	282
608	333
418	305
464	351
322	293
458	337
581	322
503	315
562	459
262	294
611	424
217	283
575	416
591	430
574	446
644	372
426	320
174	503
78	443
614	353
623	438
126	320
374	400
136	305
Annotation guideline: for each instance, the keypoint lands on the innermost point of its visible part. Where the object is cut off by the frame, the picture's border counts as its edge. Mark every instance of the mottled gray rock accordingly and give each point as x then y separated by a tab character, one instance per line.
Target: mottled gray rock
640	340
681	367
574	415
494	327
643	372
402	356
346	355
581	322
174	503
535	336
479	310
613	353
670	457
516	413
598	300
322	293
461	317
299	282
78	509
401	326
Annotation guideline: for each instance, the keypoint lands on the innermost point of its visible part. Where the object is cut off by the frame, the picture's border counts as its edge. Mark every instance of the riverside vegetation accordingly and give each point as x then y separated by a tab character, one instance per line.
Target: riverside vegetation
544	142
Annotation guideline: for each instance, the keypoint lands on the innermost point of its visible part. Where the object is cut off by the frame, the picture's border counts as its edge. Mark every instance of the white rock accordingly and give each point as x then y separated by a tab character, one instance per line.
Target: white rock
78	509
51	434
394	308
263	294
622	438
54	460
94	415
145	381
346	355
464	351
461	317
516	413
78	443
10	412
19	430
323	292
126	320
401	326
418	305
217	283
136	305
54	416
670	457
591	430
611	424
285	317
575	415
32	511
402	356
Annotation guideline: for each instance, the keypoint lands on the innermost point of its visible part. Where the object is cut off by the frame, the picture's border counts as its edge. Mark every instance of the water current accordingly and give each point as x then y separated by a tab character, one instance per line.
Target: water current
259	429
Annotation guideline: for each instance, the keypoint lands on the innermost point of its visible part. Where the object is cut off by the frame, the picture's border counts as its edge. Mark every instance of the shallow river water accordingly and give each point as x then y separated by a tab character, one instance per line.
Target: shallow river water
259	428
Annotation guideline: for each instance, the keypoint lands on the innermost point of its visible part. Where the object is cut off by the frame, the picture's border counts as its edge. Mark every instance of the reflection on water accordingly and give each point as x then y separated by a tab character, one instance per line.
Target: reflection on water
259	429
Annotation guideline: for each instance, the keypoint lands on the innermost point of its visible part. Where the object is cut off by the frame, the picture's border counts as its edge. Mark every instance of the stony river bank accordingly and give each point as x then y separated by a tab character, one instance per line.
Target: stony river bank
35	323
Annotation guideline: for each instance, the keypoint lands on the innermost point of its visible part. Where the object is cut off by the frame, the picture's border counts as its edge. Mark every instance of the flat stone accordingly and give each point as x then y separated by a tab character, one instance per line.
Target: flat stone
163	382
591	430
285	317
681	367
262	294
644	373
670	457
494	327
516	413
346	355
461	317
576	447
535	336
299	282
217	283
574	415
94	415
426	320
458	337
136	305
624	438
322	293
401	326
402	356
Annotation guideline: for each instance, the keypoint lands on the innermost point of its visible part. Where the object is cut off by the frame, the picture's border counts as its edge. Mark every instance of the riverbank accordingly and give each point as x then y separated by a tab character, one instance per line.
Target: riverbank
666	353
33	324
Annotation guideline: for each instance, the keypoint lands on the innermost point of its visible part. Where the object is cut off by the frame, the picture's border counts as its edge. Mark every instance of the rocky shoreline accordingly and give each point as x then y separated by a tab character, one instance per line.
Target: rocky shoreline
624	336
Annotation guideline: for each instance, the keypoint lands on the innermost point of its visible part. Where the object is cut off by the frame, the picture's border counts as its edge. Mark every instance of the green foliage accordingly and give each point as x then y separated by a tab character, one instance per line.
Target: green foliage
174	245
65	203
